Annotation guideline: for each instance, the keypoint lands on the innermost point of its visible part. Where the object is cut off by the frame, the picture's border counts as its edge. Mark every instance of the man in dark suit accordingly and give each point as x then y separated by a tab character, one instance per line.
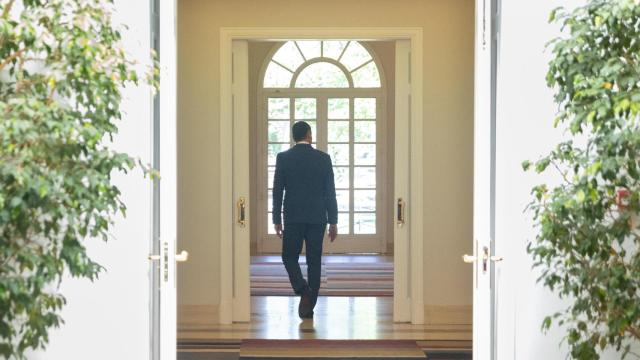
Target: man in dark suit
305	175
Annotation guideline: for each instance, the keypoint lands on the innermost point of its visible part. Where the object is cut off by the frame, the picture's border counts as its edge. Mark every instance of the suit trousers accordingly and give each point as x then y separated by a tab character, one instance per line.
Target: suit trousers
293	237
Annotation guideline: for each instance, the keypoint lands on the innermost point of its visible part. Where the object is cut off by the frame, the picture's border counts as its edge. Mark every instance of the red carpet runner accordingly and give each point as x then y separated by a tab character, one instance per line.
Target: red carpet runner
330	349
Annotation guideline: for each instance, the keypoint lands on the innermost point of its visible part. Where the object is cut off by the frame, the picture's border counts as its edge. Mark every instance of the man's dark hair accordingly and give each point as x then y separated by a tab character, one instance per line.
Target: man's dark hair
300	130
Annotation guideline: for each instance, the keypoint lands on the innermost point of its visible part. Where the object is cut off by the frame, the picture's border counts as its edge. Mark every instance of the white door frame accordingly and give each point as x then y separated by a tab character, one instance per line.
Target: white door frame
413	195
167	149
484	183
362	243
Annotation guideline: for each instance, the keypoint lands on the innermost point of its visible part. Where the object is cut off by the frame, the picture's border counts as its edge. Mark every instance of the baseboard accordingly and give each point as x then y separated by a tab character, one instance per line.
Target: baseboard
190	315
448	314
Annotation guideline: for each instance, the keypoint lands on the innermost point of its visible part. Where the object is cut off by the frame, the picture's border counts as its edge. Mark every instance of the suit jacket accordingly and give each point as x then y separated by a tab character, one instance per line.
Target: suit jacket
305	175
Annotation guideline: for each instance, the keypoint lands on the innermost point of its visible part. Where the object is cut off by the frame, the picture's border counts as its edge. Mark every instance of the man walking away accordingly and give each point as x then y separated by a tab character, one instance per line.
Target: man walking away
304	176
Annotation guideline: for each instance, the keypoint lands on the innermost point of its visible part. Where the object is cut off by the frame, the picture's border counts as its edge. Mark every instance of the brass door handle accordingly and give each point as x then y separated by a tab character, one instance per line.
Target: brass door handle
401	207
469	259
242	214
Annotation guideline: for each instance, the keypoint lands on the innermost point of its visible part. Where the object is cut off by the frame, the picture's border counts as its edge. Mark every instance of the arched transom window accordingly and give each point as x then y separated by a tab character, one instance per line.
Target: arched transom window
337	88
322	64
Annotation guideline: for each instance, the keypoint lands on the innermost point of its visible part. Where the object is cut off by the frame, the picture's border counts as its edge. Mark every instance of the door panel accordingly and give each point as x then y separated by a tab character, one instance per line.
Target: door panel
483	189
347	128
168	181
401	235
241	180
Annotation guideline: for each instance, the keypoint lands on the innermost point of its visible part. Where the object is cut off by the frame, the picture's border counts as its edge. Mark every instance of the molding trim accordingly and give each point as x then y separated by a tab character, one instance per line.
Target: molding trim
415	209
448	314
190	315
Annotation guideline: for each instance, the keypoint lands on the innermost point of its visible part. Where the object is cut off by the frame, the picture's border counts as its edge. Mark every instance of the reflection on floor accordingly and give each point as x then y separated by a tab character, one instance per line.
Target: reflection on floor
342	275
276	317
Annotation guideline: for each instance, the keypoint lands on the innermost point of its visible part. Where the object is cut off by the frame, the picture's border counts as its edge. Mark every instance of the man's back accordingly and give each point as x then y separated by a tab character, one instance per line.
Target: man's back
306	177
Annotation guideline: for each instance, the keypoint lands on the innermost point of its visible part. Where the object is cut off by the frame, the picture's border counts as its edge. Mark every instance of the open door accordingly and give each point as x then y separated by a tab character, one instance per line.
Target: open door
165	197
402	154
483	188
241	301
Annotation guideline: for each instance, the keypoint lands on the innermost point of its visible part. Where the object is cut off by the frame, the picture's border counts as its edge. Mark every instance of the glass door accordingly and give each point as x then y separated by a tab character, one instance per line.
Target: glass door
345	127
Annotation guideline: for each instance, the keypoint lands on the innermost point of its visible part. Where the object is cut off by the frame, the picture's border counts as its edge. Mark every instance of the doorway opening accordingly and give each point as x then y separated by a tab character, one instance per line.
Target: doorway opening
238	162
363	107
341	89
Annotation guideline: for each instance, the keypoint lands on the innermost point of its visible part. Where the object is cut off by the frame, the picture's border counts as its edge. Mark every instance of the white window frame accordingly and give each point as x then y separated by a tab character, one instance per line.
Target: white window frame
349	243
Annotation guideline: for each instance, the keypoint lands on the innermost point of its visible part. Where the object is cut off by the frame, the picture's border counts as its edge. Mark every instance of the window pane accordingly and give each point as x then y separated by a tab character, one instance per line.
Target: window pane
338	131
364	131
322	75
343	223
364	223
342	196
273	150
277	77
355	55
278	108
339	154
341	177
367	76
364	200
364	177
364	108
338	109
313	129
305	108
278	131
270	229
269	199
289	56
365	154
333	49
271	170
310	48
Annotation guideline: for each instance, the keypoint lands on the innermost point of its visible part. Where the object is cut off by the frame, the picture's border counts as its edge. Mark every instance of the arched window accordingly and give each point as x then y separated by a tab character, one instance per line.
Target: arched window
322	64
336	87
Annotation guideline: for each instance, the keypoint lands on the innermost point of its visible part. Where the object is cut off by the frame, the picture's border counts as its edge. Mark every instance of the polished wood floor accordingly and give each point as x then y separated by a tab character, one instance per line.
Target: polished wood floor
339	259
275	317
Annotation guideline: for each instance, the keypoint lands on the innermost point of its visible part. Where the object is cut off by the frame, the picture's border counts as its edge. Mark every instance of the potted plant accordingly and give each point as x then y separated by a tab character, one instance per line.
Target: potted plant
588	242
62	68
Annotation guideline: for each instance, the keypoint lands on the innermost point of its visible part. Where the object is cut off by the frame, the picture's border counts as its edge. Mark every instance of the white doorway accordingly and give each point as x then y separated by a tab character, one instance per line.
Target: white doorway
407	199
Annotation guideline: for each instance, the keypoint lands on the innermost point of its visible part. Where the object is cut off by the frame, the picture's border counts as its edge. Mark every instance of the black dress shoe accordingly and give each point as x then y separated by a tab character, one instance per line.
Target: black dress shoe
305	308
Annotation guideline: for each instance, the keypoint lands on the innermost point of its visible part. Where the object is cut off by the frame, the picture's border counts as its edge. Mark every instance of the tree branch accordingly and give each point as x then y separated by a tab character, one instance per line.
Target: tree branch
13	56
7	9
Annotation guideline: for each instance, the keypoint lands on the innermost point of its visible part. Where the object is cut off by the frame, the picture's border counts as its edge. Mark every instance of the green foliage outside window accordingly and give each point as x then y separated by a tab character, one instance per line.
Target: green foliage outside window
588	241
62	69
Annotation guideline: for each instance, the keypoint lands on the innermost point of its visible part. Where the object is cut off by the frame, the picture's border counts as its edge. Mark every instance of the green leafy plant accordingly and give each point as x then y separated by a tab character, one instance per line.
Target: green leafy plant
62	69
588	241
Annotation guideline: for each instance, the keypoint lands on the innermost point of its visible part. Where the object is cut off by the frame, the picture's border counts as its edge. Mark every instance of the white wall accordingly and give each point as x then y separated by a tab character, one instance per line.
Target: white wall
524	131
109	319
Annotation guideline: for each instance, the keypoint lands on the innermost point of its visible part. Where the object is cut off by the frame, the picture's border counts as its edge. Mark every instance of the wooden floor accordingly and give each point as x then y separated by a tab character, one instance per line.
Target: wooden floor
275	317
341	259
